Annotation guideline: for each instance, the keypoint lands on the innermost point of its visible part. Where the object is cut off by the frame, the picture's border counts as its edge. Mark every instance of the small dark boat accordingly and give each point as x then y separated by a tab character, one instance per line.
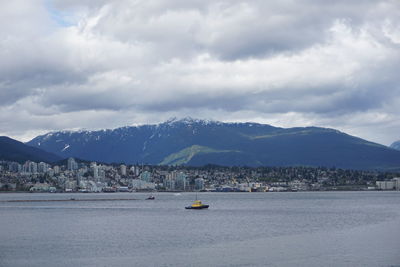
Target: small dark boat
151	198
197	205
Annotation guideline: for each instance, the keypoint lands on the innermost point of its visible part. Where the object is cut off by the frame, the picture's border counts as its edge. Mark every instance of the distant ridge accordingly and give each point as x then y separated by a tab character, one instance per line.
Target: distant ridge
14	150
197	142
396	145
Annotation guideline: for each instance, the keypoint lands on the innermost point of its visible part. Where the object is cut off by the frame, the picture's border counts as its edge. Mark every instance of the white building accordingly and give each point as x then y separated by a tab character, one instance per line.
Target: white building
139	184
397	183
386	185
122	169
30	167
56	169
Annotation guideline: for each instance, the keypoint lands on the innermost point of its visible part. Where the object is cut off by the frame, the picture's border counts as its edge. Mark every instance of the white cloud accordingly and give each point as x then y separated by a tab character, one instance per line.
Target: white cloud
92	64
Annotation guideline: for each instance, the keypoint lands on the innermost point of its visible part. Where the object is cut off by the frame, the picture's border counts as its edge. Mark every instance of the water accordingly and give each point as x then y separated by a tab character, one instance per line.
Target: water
239	229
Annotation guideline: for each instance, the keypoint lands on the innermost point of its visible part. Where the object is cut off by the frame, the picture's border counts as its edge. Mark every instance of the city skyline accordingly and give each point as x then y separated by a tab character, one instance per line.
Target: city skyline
77	176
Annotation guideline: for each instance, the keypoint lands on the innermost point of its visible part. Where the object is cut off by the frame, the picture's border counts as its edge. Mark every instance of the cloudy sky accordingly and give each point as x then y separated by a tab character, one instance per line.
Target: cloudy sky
69	64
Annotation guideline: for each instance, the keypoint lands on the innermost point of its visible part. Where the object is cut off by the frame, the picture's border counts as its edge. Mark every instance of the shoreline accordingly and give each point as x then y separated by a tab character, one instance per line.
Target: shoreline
64	200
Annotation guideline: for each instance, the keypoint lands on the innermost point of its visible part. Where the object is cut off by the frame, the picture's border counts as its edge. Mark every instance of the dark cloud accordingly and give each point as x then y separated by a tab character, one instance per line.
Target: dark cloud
93	64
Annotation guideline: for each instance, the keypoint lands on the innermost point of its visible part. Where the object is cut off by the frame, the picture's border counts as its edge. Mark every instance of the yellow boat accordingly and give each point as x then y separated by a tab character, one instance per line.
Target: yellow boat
197	205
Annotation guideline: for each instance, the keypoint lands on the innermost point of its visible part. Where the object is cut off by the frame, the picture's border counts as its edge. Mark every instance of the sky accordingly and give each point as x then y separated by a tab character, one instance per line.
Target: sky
73	64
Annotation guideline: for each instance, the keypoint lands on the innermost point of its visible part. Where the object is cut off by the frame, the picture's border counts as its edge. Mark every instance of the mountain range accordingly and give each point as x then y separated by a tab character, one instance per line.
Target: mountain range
198	142
14	150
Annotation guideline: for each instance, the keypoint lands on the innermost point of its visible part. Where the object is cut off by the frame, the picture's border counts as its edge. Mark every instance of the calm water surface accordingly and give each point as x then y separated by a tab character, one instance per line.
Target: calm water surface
239	229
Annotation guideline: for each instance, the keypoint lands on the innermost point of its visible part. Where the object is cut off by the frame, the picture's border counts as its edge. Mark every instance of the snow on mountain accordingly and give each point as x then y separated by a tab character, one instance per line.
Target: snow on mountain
247	143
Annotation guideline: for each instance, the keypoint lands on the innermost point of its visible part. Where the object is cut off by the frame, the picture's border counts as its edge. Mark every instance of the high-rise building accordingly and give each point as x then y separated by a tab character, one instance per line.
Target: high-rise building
102	173
43	167
145	176
181	181
169	184
137	171
95	172
169	181
132	170
72	165
95	169
56	169
122	169
14	167
199	184
32	167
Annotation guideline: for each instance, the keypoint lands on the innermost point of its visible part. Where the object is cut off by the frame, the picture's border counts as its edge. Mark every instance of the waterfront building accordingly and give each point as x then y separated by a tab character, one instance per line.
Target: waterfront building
138	184
298	185
42	187
169	183
199	184
396	183
70	185
89	186
8	186
385	185
145	176
181	181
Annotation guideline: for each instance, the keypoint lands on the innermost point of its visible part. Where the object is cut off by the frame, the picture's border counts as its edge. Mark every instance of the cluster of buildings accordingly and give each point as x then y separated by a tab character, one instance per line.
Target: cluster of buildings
93	177
74	176
393	184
